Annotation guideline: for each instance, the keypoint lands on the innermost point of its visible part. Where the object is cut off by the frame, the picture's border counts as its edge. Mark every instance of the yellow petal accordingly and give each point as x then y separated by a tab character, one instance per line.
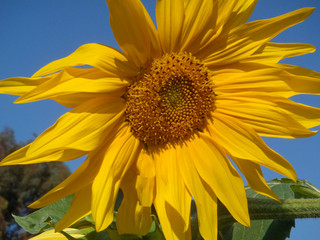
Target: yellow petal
107	59
76	81
52	235
240	141
266	79
305	115
229	14
20	157
83	176
222	12
80	207
288	80
274	52
265	116
254	177
21	85
205	199
73	100
134	30
241	12
297	71
247	38
83	128
172	200
303	81
216	170
132	218
170	18
145	179
200	17
117	160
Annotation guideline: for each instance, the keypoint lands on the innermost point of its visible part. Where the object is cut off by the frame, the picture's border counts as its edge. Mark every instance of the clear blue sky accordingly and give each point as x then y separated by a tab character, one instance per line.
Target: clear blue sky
36	32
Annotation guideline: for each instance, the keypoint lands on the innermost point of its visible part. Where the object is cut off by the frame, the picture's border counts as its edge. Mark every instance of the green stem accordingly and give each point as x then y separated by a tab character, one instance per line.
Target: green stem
271	209
288	209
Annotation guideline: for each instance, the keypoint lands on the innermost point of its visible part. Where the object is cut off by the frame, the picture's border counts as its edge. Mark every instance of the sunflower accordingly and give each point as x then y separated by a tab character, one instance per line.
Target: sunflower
163	118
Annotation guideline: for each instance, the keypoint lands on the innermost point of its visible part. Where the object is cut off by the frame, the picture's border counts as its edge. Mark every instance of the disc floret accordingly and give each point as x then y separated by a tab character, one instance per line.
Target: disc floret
169	100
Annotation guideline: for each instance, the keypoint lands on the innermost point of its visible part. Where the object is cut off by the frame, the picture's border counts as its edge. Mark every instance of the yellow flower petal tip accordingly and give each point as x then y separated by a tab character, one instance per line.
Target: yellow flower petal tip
162	118
52	235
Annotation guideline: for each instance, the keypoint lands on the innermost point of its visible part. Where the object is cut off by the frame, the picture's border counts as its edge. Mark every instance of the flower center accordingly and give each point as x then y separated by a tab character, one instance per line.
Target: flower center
169	100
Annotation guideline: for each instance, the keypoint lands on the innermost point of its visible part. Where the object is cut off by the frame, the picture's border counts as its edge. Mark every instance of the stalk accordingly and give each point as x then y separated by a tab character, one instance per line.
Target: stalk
271	209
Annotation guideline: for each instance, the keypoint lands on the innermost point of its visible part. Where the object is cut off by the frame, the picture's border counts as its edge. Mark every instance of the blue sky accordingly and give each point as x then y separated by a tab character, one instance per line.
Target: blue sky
36	32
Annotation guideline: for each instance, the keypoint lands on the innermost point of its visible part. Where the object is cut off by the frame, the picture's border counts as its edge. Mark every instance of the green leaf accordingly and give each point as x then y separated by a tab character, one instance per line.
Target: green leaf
155	232
287	189
260	229
269	229
305	189
93	235
46	217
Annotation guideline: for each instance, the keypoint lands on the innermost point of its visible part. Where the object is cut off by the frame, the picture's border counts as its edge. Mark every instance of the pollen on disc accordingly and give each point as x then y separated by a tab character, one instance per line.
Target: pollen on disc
169	100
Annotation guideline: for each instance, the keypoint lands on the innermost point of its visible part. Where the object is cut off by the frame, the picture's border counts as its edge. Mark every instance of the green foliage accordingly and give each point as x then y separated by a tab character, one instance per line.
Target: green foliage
296	197
46	217
8	143
260	229
269	229
288	189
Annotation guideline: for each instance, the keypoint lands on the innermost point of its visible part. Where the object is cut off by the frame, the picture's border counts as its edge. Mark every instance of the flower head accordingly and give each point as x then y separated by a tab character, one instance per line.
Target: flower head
160	119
